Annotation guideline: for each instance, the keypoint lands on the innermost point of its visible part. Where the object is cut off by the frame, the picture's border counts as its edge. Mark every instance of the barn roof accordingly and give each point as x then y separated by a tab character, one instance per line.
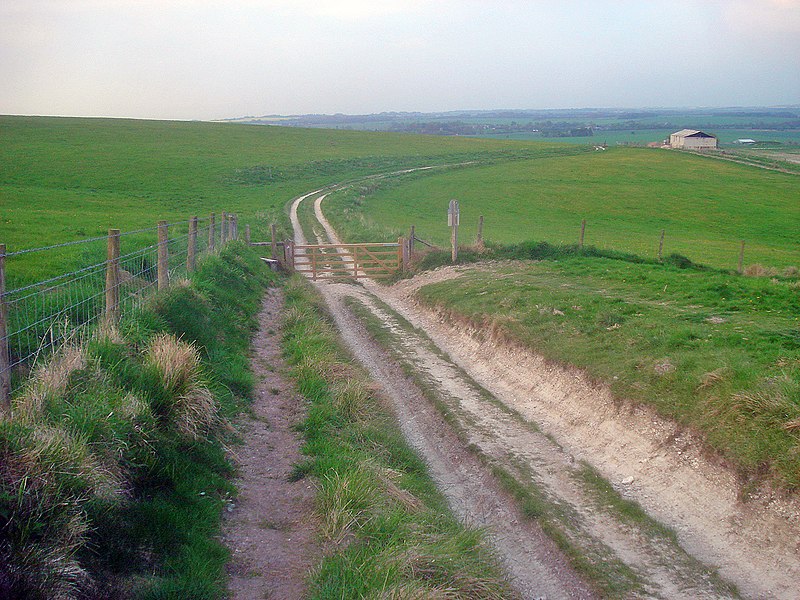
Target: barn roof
692	133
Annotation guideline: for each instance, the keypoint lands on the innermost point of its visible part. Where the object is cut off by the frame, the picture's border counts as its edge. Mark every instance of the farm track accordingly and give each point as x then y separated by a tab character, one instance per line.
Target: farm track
744	160
537	423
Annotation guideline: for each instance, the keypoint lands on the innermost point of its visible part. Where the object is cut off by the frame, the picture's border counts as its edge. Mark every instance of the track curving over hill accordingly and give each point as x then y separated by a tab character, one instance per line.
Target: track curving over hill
511	412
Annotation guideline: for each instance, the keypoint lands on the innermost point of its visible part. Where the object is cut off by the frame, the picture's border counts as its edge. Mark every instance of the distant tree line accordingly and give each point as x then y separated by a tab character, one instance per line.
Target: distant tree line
545	129
556	129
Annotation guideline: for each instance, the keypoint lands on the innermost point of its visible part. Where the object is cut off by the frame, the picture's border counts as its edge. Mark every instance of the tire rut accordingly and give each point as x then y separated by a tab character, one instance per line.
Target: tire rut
656	566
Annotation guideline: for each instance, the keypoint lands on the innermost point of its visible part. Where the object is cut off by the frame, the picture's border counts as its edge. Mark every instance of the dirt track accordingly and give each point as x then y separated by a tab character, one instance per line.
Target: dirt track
270	530
753	545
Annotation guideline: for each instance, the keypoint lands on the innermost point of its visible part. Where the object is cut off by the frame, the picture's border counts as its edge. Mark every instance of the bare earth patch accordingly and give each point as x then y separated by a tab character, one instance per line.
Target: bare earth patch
270	529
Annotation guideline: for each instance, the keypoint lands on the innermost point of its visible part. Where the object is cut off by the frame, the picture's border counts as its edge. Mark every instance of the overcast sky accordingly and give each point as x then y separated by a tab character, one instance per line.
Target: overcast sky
206	59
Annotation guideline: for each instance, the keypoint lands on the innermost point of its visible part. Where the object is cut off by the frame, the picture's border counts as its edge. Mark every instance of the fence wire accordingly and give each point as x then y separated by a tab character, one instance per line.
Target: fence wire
46	314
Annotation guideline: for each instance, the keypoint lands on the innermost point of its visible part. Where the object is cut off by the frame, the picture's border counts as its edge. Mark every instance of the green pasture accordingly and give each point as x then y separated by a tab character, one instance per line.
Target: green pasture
626	195
718	353
64	179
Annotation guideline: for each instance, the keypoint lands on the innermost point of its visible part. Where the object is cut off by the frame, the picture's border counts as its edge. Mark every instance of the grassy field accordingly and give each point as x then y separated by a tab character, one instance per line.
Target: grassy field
627	196
64	179
717	353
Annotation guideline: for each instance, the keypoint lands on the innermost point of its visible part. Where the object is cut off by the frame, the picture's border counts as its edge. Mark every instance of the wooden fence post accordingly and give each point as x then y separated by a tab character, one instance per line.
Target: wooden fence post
212	234
234	227
273	229
223	229
479	239
163	256
583	233
5	359
112	277
191	251
247	233
741	259
404	254
661	244
411	236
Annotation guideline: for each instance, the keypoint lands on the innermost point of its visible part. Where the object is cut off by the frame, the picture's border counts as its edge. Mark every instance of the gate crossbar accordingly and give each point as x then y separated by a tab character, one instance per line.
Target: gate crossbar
347	261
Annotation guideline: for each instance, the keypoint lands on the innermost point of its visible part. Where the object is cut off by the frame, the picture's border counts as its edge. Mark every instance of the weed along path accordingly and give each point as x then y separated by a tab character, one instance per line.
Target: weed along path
270	529
630	500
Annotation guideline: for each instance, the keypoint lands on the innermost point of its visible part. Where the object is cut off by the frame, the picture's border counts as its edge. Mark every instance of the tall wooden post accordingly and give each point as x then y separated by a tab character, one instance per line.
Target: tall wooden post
479	239
212	234
191	251
411	237
5	359
661	244
404	254
741	258
583	233
163	256
273	230
223	228
247	233
453	217
112	277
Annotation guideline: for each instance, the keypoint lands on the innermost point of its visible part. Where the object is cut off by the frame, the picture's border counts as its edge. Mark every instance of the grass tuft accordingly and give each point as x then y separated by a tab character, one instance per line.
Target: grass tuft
189	405
48	381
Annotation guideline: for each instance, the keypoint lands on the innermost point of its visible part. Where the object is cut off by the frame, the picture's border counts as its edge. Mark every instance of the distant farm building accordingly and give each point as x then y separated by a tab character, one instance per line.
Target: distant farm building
691	139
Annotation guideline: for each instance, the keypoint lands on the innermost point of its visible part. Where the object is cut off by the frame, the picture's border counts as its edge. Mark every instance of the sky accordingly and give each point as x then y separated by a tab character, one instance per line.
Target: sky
211	59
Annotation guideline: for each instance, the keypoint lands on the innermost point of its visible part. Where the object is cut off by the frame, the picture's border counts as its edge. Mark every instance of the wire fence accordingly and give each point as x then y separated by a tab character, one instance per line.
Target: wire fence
38	317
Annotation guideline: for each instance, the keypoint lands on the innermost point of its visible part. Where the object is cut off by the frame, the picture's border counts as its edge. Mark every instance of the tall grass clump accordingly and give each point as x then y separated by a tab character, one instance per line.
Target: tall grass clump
113	472
388	531
189	404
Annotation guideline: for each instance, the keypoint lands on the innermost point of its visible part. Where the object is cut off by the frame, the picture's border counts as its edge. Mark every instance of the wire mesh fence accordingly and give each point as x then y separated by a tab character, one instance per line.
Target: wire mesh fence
39	316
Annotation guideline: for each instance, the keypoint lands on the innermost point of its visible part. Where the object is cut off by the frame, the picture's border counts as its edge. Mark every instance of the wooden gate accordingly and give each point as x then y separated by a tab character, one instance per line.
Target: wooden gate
347	261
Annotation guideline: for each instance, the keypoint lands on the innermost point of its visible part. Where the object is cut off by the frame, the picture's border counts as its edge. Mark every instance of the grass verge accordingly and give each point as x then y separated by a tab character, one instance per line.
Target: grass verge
113	471
389	531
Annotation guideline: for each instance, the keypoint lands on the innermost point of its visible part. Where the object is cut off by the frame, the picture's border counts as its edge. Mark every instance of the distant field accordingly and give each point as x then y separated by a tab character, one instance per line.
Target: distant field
627	196
644	136
64	179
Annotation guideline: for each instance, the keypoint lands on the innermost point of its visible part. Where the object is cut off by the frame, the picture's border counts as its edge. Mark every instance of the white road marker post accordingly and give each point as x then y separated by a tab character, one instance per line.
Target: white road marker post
453	217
